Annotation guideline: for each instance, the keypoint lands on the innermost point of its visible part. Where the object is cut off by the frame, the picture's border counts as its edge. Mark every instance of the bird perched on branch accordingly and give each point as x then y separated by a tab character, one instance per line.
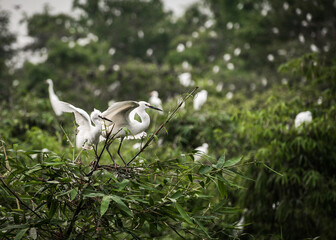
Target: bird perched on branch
88	134
117	121
121	115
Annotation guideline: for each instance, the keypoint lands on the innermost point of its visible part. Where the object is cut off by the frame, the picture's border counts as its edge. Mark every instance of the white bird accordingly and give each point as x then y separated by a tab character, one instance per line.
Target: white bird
239	228
54	100
185	79
200	99
121	115
200	151
88	134
154	100
303	117
112	122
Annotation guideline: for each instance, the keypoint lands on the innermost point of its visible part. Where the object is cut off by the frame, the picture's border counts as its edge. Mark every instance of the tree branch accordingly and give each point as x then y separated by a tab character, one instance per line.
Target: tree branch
18	198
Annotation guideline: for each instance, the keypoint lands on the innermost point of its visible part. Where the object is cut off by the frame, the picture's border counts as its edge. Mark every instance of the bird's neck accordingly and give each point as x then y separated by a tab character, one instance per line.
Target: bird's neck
145	120
51	89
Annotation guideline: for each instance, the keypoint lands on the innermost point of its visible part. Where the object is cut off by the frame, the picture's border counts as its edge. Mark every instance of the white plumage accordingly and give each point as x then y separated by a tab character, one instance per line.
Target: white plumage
88	134
200	99
112	122
122	115
200	151
154	100
54	100
303	117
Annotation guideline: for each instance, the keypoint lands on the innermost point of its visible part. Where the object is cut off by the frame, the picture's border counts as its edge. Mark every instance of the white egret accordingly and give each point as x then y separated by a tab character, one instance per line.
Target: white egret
239	228
200	99
200	151
112	122
121	115
303	117
87	134
154	100
54	100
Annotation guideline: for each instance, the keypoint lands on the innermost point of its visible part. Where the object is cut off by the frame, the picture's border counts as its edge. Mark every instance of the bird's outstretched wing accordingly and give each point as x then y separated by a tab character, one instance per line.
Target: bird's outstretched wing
82	118
118	112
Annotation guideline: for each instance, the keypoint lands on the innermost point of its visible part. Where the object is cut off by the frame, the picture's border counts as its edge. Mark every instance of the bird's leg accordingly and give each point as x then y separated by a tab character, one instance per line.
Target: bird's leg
108	151
121	140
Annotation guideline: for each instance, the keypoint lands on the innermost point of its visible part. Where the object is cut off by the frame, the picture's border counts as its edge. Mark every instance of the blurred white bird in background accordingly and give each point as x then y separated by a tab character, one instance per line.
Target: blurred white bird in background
185	79
154	100
239	228
200	151
303	117
200	99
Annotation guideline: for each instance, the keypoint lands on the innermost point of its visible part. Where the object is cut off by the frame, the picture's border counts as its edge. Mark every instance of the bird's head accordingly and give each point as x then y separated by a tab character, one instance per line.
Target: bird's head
96	115
147	105
49	81
154	94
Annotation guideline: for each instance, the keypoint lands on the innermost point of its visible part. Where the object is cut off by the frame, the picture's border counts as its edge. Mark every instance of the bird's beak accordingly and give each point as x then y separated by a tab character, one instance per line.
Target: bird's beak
104	118
155	108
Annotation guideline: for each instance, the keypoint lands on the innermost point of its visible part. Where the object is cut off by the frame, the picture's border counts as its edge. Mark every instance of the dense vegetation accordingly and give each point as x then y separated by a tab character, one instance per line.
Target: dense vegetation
264	177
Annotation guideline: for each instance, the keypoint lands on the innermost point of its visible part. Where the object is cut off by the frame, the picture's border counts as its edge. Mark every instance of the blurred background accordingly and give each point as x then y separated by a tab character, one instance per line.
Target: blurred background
259	64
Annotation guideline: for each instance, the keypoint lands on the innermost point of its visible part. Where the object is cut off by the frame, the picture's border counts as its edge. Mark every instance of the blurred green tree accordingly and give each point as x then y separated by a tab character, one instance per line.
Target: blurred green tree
6	52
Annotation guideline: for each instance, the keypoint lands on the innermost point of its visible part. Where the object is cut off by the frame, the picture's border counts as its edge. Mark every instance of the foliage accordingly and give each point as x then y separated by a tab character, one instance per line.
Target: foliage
261	62
54	197
300	197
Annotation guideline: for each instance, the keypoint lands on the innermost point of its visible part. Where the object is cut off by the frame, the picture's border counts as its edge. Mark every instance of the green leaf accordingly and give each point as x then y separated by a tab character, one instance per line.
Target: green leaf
20	234
204	170
183	213
220	162
73	193
121	205
105	202
221	189
53	208
190	177
123	184
177	195
232	162
202	227
93	195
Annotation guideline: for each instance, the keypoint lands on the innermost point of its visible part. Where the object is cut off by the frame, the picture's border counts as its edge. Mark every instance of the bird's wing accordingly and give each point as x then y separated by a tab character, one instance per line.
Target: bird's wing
118	112
54	100
82	118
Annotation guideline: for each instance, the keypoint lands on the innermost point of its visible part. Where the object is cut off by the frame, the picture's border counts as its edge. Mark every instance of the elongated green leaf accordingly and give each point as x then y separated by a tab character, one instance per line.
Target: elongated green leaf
202	227
183	213
190	177
105	202
123	184
220	161
73	193
221	189
204	169
20	234
232	162
121	205
94	195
